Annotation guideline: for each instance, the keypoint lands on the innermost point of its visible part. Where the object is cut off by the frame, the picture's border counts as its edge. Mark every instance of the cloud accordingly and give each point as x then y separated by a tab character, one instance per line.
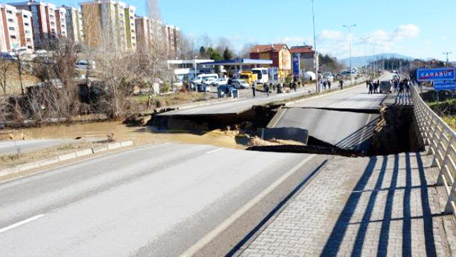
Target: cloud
427	42
407	31
326	35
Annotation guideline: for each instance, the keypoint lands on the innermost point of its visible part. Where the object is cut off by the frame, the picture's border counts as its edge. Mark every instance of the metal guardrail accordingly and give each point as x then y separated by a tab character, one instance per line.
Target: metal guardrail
441	140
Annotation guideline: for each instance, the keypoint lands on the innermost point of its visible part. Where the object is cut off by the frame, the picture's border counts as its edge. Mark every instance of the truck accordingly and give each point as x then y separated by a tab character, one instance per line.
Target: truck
248	76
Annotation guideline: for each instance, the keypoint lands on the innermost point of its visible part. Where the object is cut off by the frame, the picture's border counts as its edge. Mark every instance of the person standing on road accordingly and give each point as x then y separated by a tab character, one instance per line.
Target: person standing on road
341	84
266	88
329	84
371	87
253	89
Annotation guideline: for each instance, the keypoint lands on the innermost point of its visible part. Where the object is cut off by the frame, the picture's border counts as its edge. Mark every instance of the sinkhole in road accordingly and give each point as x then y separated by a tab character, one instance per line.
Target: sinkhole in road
393	130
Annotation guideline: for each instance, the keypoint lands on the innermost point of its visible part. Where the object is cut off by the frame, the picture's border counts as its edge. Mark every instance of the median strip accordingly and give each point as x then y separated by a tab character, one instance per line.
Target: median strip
64	157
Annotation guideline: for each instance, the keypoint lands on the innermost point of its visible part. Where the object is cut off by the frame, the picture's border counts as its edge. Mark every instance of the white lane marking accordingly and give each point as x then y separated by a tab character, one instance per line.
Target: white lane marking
214	151
20	223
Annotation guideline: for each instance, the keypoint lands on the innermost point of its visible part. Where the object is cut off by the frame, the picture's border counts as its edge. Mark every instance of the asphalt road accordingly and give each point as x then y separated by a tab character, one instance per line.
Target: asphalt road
236	106
151	201
339	119
12	147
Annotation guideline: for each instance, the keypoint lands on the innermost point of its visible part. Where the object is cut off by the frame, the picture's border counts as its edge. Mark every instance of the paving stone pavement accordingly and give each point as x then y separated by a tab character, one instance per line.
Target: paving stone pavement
379	206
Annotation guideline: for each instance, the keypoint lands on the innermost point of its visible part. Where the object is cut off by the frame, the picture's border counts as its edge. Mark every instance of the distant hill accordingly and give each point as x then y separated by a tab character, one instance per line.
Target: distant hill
363	61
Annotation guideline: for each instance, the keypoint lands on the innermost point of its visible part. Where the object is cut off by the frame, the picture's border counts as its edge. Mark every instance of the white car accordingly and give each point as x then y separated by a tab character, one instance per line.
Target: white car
328	76
220	82
240	84
209	81
84	65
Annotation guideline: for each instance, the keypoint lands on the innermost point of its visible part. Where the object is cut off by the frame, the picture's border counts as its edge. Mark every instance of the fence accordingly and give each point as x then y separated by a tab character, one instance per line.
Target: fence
441	140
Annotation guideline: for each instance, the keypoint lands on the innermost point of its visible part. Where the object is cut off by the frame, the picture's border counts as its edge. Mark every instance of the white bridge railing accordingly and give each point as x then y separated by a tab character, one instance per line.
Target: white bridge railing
441	140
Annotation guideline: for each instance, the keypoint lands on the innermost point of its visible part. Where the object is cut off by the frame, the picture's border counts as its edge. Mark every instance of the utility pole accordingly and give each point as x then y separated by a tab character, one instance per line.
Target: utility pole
364	39
447	59
349	48
316	61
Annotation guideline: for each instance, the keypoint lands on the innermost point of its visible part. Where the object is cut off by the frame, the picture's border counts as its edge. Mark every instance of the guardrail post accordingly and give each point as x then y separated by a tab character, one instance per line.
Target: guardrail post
440	180
433	136
437	148
451	198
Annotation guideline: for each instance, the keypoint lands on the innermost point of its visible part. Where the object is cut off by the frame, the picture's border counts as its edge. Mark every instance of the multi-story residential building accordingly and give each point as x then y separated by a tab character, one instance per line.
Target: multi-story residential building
306	57
24	20
52	21
278	53
40	20
74	26
60	17
143	33
130	27
10	28
172	41
108	19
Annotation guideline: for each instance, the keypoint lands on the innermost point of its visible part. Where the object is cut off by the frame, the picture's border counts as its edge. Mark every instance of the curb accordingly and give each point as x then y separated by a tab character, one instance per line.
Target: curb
64	157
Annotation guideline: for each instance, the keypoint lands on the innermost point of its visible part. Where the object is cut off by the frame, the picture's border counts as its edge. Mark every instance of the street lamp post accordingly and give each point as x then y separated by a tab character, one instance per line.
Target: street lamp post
317	88
447	59
349	48
364	39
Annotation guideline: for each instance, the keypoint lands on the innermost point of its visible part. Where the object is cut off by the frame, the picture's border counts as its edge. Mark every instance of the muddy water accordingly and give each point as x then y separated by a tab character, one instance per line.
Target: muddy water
141	135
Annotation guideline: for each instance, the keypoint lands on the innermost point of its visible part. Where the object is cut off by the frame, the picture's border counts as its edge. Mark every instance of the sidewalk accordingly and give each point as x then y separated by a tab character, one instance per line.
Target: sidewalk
379	206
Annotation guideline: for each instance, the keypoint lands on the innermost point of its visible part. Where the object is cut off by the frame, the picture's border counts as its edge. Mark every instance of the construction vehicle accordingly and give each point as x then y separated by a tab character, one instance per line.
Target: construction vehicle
248	76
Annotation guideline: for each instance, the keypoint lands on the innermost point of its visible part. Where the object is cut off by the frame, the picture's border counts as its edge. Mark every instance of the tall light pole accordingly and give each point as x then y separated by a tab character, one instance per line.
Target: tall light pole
349	48
317	88
447	59
364	39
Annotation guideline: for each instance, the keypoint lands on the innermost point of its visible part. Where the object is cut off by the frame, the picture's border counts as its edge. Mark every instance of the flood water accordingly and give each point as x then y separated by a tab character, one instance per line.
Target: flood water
121	132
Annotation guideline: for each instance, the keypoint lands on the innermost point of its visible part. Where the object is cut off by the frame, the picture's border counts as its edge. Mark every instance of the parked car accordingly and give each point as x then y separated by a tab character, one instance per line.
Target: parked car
385	87
85	64
220	82
199	79
203	88
7	56
209	81
240	84
328	76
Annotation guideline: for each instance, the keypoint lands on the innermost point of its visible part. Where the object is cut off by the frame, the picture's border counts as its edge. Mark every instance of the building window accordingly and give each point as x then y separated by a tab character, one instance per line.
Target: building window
10	20
11	28
9	12
26	24
13	37
25	16
52	23
27	32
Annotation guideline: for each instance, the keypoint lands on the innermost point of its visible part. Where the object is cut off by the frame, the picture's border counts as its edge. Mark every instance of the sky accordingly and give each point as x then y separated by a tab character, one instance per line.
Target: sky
415	28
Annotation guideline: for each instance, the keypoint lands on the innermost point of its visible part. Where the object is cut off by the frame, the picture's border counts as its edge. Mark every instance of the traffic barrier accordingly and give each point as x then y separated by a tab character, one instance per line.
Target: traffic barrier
28	166
64	157
49	161
84	152
441	140
114	146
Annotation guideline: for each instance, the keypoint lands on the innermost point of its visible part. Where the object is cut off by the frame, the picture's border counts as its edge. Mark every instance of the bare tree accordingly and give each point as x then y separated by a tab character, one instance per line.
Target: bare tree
154	61
5	67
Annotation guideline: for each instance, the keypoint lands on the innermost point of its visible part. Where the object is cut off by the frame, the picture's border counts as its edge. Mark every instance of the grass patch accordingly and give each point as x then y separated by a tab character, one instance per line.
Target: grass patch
451	121
9	161
171	99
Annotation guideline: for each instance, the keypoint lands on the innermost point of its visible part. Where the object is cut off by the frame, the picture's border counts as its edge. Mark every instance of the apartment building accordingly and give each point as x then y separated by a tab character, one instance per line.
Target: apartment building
130	27
10	30
40	20
172	41
61	24
73	18
108	19
24	20
143	33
